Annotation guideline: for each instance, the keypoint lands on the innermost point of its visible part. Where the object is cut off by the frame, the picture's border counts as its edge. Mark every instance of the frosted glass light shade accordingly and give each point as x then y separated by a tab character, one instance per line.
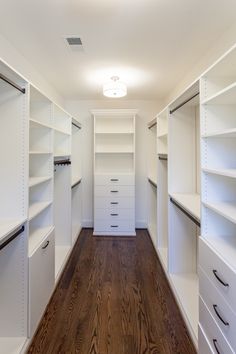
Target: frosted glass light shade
114	89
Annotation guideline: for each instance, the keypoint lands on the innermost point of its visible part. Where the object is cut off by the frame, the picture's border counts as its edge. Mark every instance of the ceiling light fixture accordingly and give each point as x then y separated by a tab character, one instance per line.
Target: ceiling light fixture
114	88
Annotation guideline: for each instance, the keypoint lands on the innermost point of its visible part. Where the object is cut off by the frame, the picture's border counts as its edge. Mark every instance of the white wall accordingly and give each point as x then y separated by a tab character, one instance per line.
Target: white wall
16	60
223	44
147	111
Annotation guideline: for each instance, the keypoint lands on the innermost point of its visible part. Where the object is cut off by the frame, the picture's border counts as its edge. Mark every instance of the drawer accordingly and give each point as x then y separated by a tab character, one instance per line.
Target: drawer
112	214
114	202
218	307
218	271
106	191
41	279
212	331
203	344
114	227
122	180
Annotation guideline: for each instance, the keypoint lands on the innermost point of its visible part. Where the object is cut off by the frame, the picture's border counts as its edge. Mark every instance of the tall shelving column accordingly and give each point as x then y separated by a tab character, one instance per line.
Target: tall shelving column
152	181
162	191
184	203
217	251
62	187
76	179
114	172
41	223
13	211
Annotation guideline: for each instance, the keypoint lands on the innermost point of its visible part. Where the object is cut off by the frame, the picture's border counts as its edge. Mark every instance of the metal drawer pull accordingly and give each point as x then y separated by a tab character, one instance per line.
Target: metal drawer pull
114	203
218	278
45	246
114	191
114	225
215	345
217	313
114	180
114	214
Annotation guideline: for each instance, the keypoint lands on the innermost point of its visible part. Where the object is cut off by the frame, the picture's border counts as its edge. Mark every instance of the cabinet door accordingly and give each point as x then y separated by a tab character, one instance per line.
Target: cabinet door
41	279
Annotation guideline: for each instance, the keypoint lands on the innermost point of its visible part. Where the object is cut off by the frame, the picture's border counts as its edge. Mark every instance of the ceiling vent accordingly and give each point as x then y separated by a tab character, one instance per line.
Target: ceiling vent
74	42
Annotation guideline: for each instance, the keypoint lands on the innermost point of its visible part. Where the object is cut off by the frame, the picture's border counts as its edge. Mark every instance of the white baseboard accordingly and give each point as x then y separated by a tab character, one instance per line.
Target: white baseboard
87	223
141	224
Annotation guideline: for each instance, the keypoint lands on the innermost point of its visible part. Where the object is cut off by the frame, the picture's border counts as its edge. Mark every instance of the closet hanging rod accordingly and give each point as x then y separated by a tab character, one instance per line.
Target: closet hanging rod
76	183
76	125
62	162
163	157
152	125
13	84
190	216
152	182
17	233
183	103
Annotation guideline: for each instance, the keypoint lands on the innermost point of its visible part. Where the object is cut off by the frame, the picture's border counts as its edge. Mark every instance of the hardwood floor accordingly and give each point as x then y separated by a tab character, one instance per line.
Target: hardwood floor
112	299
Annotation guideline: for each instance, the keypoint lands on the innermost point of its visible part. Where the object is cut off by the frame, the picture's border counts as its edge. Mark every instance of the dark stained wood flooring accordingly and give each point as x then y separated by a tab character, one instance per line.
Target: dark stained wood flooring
112	298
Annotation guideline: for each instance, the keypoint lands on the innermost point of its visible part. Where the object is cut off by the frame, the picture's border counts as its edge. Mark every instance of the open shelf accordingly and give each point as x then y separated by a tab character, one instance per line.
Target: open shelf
190	202
225	96
34	181
8	226
36	208
36	124
75	181
62	121
40	107
230	133
221	172
60	131
226	209
39	152
61	253
37	234
152	180
115	162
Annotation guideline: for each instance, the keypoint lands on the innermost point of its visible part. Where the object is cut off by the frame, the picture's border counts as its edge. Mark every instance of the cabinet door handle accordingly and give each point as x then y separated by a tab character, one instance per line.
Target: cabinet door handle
114	225
218	278
215	345
218	315
114	214
46	245
114	191
114	203
114	180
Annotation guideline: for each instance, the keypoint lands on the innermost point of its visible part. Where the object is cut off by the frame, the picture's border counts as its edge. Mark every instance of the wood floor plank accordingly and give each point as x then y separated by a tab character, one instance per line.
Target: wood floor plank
112	298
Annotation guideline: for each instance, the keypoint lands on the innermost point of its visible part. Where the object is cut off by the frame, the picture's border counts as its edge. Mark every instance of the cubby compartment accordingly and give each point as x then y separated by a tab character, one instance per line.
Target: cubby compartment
115	162
62	121
118	124
152	152
62	144
183	264
40	108
162	132
76	153
40	138
114	143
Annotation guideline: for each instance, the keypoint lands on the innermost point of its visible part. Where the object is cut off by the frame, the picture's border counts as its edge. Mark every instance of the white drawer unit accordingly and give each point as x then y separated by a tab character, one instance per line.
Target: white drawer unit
222	313
41	279
221	274
121	180
212	330
113	202
114	191
204	346
113	214
114	227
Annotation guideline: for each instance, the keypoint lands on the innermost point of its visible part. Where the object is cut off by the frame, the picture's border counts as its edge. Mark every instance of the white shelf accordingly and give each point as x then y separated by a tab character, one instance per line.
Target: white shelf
8	226
186	287
36	236
37	123
39	152
61	131
61	155
190	202
76	180
61	253
114	152
163	253
34	181
12	345
162	135
152	180
227	133
115	132
225	96
225	209
224	172
36	208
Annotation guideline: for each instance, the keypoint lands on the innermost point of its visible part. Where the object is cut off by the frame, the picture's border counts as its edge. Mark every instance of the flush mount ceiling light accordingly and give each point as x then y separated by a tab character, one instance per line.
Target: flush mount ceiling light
114	88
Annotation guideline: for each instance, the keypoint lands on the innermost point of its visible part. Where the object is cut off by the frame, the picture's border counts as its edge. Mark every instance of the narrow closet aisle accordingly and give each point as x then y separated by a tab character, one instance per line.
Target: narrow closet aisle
112	298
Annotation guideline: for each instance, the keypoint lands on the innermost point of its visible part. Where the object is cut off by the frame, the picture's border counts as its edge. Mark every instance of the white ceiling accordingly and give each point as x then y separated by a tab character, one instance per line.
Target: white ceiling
150	44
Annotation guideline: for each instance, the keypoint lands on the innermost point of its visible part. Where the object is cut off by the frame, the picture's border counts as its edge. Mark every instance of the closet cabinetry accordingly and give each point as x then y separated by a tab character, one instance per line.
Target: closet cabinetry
217	253
114	172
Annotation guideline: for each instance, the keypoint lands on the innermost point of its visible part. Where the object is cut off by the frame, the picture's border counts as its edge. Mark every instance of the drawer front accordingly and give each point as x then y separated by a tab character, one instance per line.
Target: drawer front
203	344
41	279
223	277
112	214
212	331
114	227
110	191
122	180
218	307
114	202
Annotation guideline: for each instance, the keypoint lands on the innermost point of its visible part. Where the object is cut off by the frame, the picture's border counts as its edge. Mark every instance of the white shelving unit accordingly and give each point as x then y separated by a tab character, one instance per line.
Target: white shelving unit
13	212
217	245
62	132
184	203
162	191
114	165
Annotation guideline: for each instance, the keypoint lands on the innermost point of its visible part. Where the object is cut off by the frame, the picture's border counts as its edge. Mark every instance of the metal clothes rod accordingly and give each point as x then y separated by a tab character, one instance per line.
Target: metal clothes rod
76	125
163	157
62	162
13	84
76	183
153	125
153	183
190	216
183	103
5	243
